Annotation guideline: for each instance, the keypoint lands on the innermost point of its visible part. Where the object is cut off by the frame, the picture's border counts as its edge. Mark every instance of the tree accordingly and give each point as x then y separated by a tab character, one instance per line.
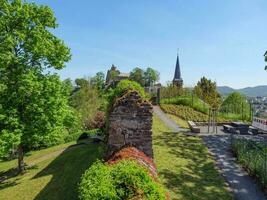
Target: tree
98	81
170	91
138	75
151	76
86	102
236	103
81	82
207	91
33	103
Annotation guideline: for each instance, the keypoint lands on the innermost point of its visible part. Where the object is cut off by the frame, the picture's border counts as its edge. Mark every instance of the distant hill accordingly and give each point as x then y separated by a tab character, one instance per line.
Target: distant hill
248	91
225	90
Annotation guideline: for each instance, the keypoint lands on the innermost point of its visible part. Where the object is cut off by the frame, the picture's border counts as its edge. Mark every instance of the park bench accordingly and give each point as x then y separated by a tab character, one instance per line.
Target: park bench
253	130
194	128
229	128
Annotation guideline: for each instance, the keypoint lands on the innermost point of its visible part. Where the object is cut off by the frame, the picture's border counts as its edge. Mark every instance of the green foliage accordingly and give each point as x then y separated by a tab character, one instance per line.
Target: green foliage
207	91
98	81
185	166
253	156
137	75
185	112
86	101
33	104
188	100
145	78
124	180
151	76
235	103
123	86
75	136
82	82
171	91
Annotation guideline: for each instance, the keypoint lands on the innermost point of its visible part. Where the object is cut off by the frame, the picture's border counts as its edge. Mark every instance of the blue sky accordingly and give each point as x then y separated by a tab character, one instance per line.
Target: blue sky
223	40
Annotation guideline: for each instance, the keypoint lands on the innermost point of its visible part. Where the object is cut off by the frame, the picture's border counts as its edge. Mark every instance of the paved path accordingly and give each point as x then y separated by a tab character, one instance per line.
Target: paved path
242	185
169	122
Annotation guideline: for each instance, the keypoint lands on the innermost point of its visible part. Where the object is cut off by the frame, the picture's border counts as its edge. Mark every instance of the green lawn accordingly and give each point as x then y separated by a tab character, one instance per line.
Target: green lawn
183	162
185	167
182	123
53	179
31	156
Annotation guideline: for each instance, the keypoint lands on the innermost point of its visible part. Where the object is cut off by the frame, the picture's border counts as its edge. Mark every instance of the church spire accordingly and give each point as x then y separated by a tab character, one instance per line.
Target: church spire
177	80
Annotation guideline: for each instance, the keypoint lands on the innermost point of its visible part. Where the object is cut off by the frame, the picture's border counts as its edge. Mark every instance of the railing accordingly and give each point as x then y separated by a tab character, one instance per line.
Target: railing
253	157
260	123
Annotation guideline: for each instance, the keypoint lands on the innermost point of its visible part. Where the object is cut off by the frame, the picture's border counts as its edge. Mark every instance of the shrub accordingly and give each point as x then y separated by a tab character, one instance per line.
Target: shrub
82	135
124	180
253	156
98	121
122	87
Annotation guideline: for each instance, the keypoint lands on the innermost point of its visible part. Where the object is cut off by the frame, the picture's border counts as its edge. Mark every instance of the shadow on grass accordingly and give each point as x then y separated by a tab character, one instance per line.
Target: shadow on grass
193	175
66	171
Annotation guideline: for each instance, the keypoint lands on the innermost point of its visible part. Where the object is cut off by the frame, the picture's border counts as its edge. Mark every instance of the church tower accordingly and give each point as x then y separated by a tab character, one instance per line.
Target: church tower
177	80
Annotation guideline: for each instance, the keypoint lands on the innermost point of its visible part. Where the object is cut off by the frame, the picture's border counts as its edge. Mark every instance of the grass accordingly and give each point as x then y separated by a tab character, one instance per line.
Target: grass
182	123
32	155
52	179
185	166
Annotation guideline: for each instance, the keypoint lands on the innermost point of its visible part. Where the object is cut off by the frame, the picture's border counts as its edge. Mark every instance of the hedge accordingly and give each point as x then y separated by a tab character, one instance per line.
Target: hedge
123	180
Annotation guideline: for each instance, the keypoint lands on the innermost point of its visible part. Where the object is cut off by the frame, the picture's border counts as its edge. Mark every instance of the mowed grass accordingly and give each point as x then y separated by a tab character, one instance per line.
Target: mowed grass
32	155
182	123
185	166
53	179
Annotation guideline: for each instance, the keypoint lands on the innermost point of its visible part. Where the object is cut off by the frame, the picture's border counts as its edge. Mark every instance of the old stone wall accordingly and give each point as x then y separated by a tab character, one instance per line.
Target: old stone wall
130	124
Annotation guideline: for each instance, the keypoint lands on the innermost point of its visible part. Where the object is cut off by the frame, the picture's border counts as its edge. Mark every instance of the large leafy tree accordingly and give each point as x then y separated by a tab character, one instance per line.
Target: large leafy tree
33	103
86	101
207	91
98	81
236	103
151	76
138	75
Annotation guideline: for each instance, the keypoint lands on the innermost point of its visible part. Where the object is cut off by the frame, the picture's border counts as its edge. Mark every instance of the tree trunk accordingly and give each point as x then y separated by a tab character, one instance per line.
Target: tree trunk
21	163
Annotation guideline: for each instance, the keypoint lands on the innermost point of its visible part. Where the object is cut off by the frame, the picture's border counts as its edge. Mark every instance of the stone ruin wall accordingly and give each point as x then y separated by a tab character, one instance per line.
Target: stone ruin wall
130	124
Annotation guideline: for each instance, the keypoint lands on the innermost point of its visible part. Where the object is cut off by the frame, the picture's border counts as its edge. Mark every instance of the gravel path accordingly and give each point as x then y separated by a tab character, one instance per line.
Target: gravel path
169	122
242	185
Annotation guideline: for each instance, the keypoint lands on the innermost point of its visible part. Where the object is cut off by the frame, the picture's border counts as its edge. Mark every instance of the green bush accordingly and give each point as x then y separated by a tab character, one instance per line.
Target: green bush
124	180
75	136
123	86
253	156
188	100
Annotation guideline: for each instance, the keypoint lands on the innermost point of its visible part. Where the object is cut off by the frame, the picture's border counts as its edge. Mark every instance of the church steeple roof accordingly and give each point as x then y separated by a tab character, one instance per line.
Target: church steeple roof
177	74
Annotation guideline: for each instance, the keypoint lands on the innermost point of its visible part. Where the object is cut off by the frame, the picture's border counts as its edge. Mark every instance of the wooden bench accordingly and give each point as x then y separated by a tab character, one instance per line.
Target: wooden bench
229	128
194	128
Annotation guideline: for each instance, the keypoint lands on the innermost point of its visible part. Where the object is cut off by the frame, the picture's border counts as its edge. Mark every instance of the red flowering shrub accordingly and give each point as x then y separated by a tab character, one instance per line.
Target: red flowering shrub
131	153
